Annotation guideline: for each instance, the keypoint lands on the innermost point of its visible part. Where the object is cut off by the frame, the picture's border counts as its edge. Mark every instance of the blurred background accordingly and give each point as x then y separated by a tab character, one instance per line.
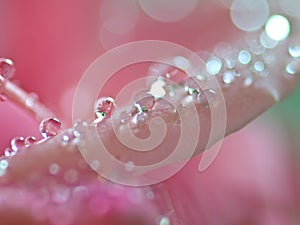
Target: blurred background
255	179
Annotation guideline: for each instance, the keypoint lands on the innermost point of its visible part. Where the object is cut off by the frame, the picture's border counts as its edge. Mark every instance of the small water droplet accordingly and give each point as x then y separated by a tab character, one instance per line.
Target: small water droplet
17	143
61	194
244	57
54	169
248	81
144	102
293	68
3	166
50	127
294	51
164	221
214	65
71	176
7	68
259	66
228	77
8	152
29	141
104	107
129	166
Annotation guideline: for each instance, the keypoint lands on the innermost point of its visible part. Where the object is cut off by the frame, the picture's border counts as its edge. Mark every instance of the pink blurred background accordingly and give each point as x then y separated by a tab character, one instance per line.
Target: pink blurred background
255	179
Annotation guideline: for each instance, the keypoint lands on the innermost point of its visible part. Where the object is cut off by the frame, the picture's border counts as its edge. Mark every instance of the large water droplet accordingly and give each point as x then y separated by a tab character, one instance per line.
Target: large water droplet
104	107
7	68
278	27
17	143
50	127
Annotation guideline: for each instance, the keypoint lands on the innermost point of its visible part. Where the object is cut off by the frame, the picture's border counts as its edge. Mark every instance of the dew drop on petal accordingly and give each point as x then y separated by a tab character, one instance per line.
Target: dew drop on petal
244	57
104	107
278	27
7	68
129	166
259	66
61	194
17	143
248	81
54	169
29	141
293	68
50	127
228	77
213	65
294	51
164	221
249	15
3	166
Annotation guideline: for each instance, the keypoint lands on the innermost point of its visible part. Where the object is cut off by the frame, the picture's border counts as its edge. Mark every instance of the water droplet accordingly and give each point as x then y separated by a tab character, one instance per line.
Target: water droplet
61	194
213	65
3	166
50	127
228	77
17	143
144	102
230	63
8	152
278	27
267	42
248	81
157	89
244	57
104	108
293	68
294	51
259	66
71	176
164	221
140	119
129	166
7	68
54	169
29	141
249	15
